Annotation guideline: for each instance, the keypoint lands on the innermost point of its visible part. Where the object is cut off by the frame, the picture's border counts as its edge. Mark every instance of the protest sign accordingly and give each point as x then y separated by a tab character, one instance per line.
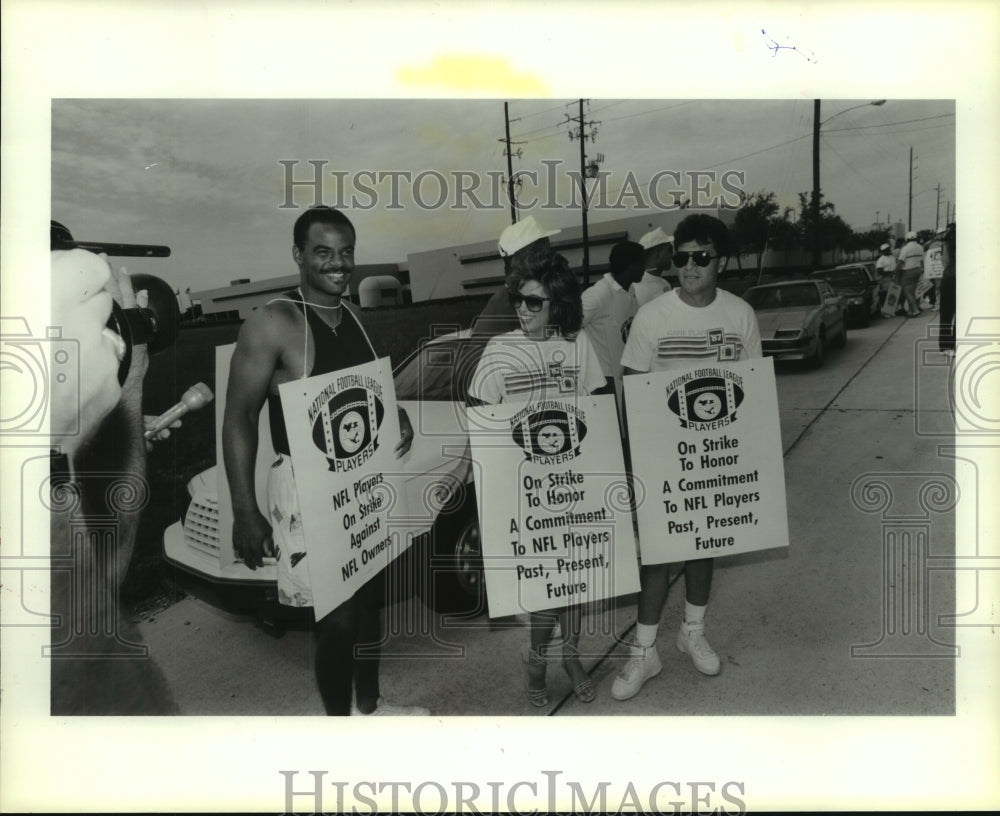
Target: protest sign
934	260
554	507
892	295
707	460
342	429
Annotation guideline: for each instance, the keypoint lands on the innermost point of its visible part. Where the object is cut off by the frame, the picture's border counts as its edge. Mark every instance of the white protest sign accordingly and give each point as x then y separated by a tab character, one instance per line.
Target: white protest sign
553	504
934	261
706	454
342	429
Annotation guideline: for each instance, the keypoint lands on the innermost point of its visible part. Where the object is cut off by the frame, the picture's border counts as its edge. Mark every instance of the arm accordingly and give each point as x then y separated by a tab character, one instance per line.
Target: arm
123	431
591	303
405	434
593	377
484	386
256	358
751	337
639	348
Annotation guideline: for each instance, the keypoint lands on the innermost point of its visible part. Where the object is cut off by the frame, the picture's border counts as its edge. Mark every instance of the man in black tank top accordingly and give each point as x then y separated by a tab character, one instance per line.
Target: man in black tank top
309	331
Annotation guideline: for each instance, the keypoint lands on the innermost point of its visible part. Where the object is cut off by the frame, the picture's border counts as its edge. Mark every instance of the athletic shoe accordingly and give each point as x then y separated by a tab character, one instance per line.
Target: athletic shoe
384	709
643	664
691	641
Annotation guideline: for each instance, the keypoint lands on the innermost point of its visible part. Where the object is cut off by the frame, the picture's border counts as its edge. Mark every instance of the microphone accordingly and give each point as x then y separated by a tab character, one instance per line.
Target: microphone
197	396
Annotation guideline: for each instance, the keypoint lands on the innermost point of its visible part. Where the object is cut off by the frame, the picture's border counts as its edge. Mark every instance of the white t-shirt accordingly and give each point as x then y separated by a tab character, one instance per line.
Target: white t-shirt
911	257
667	333
607	311
651	286
515	368
886	264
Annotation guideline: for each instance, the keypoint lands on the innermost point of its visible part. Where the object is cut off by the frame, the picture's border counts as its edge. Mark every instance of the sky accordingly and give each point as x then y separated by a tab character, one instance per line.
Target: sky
206	178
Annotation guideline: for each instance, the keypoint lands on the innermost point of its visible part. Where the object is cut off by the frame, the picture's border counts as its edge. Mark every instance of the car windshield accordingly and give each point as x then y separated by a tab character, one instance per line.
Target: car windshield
843	277
783	297
439	371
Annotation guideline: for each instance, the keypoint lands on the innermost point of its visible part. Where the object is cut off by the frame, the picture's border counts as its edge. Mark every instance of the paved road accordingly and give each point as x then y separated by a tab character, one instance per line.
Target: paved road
813	629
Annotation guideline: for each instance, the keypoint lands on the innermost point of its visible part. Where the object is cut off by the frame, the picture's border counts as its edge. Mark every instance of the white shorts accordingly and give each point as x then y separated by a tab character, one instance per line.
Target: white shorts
294	587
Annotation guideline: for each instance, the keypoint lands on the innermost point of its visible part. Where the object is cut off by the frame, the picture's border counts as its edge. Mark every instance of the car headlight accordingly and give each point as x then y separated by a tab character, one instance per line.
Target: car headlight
857	301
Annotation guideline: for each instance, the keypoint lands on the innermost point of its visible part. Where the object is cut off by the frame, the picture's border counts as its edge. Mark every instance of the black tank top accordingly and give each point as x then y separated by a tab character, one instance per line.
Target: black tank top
348	346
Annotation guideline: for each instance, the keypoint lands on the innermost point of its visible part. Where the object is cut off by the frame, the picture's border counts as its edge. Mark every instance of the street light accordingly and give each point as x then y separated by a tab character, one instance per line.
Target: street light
817	124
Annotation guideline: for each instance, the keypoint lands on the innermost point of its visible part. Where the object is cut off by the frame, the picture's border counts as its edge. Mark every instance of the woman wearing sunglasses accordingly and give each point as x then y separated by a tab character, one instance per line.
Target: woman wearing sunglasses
548	356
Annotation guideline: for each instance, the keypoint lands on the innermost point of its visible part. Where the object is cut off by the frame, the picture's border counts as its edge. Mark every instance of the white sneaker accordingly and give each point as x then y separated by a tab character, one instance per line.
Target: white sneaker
691	641
643	664
384	709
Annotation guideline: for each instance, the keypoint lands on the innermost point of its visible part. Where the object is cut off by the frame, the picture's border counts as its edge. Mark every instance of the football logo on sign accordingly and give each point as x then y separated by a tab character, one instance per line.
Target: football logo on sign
345	429
550	435
705	403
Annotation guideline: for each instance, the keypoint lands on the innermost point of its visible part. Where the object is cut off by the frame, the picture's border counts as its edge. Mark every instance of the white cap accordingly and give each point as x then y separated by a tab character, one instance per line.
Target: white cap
884	246
518	236
655	238
910	235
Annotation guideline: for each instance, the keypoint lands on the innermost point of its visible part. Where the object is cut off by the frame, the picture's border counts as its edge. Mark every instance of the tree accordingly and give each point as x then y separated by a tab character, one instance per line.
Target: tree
833	230
752	224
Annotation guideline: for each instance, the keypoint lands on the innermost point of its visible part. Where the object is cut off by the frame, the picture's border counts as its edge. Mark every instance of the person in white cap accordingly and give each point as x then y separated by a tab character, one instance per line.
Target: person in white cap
885	266
911	267
524	246
659	247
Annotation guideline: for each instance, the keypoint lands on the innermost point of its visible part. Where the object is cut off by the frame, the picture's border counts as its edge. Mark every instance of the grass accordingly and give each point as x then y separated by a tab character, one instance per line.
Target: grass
150	582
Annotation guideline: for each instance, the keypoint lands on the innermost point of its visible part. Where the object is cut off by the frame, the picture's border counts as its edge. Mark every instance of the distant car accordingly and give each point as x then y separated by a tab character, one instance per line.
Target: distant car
444	563
799	320
858	285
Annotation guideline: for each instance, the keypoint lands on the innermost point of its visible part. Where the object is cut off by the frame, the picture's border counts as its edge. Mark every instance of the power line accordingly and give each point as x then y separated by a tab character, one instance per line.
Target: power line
851	166
889	124
757	152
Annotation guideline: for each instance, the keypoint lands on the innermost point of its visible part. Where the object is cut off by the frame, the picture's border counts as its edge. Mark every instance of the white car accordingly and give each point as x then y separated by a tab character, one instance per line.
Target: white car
444	563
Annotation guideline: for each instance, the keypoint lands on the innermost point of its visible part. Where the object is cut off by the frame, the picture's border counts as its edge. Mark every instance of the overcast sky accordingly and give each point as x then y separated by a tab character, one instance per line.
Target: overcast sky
204	176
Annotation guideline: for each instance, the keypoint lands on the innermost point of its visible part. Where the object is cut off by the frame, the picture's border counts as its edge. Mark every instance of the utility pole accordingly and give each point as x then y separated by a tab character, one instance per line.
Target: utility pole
510	167
909	215
937	209
877	222
580	132
816	249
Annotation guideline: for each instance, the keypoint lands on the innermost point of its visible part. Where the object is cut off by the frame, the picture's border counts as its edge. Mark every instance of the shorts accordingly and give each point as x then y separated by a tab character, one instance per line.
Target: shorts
294	587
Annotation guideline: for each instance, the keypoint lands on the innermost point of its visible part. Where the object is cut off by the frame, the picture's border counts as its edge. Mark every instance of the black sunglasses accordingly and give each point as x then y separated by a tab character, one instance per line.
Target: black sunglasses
533	302
701	258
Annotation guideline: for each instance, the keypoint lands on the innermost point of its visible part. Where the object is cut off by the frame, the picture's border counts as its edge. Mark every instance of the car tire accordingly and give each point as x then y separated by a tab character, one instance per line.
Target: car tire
820	353
451	579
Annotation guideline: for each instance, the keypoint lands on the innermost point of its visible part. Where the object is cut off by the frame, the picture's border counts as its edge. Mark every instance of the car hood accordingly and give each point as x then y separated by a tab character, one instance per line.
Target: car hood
771	320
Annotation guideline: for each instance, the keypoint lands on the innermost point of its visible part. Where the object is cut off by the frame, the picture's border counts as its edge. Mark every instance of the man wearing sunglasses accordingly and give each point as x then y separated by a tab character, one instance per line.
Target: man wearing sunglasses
695	323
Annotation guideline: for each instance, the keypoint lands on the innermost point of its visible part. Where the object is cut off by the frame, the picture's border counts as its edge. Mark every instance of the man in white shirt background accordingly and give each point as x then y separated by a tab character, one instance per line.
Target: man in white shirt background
609	306
885	266
911	267
658	248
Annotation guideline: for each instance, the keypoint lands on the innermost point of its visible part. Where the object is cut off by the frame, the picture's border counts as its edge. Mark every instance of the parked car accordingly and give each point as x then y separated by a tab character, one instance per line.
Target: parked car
444	562
858	285
799	320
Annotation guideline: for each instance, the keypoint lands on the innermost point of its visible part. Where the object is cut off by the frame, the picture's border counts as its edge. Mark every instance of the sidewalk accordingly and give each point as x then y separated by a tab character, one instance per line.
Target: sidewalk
782	621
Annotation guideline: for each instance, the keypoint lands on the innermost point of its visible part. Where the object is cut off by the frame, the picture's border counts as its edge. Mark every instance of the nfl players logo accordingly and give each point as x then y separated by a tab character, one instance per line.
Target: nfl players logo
346	427
549	433
705	403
